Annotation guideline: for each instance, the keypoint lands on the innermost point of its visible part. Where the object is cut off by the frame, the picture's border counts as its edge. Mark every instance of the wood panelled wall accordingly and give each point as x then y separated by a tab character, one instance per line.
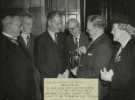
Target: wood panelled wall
70	8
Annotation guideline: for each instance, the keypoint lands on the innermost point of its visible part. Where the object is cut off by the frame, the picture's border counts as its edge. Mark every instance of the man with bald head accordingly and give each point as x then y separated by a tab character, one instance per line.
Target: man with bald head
17	80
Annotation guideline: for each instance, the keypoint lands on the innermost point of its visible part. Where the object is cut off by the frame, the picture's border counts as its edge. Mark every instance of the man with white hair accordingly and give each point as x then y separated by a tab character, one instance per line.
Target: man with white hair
76	43
17	79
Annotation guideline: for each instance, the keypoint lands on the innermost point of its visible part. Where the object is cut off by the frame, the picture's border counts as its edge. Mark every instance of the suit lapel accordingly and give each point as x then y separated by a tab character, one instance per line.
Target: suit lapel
50	39
96	42
28	49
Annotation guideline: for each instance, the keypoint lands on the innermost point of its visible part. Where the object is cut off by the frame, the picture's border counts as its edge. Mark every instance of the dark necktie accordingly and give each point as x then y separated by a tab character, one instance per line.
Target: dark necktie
56	36
28	41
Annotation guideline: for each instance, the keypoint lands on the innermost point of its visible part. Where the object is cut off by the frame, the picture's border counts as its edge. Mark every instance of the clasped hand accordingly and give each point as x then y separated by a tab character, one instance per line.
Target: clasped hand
106	75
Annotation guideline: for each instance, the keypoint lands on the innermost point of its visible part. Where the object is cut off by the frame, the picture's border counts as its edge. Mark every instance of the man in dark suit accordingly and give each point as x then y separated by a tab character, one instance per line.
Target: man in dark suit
17	72
26	38
122	69
99	51
48	49
73	42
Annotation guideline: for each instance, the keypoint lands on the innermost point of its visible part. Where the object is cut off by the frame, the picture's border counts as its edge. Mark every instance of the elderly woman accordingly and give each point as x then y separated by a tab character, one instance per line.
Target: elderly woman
122	69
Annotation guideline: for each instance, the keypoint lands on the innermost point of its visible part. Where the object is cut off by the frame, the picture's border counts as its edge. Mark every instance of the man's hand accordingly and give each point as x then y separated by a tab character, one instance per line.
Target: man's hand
64	75
106	75
82	50
74	70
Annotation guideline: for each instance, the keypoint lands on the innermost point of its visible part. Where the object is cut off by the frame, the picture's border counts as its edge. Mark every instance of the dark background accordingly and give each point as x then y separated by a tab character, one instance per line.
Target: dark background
114	7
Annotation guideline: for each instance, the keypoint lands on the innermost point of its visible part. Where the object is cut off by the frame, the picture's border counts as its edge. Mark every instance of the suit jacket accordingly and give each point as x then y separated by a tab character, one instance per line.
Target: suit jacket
17	72
70	46
98	55
123	83
30	49
48	56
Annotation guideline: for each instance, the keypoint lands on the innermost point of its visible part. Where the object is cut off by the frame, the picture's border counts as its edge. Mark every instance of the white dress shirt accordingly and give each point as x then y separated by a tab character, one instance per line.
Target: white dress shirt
53	36
25	37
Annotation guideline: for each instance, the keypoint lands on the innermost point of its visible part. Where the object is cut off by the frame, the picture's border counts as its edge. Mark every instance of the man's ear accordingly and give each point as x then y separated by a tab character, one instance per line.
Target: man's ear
49	22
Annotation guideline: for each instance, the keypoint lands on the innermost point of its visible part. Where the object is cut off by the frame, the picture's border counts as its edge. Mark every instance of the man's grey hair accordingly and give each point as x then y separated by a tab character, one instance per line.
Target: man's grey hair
97	20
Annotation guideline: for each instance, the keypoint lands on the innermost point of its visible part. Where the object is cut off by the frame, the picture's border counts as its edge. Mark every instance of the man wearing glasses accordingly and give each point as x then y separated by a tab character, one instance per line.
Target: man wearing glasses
76	43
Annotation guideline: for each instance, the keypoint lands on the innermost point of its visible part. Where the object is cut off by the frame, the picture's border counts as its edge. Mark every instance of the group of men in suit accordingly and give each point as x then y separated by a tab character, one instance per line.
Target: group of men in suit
25	61
112	62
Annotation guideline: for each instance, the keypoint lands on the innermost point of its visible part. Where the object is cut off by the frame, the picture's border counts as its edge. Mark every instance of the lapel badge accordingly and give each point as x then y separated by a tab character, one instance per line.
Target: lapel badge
118	58
90	54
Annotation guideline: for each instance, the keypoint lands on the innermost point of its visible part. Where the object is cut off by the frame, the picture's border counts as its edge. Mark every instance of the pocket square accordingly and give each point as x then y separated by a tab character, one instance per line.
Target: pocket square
90	54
